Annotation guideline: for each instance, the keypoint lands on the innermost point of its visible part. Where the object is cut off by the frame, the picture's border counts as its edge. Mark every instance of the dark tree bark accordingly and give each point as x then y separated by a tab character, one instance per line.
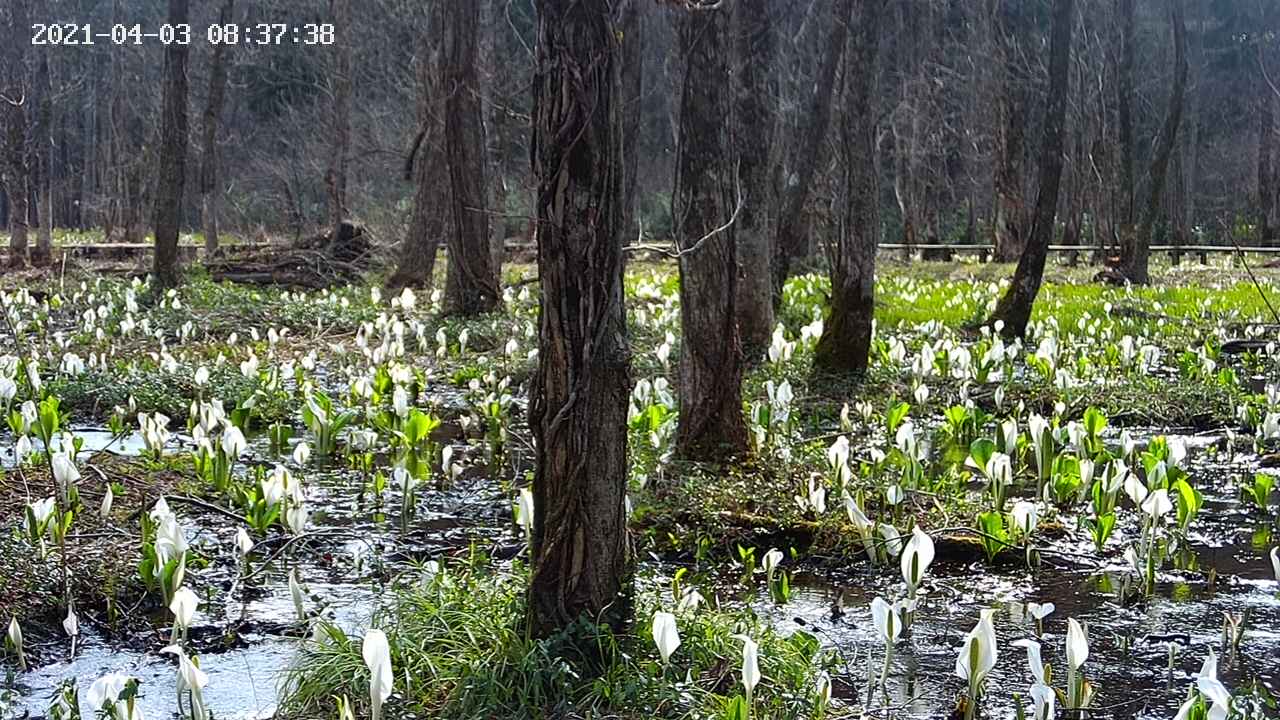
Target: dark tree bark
209	192
419	248
1014	308
711	423
173	155
1011	221
472	284
13	102
793	227
634	17
335	178
755	115
581	552
1136	261
846	337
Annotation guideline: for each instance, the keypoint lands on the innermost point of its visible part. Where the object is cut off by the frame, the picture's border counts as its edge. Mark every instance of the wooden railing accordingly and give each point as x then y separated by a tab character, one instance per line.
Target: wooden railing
1187	249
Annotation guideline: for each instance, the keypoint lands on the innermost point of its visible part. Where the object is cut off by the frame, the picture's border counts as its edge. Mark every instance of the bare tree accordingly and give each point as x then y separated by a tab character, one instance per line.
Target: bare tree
209	190
632	24
793	228
335	178
1124	110
581	552
845	344
1011	222
754	112
420	246
1136	254
173	155
1266	102
704	210
472	283
490	105
1014	308
43	175
16	167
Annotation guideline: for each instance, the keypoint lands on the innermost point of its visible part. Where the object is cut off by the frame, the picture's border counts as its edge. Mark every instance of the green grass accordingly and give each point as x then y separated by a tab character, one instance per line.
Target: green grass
459	652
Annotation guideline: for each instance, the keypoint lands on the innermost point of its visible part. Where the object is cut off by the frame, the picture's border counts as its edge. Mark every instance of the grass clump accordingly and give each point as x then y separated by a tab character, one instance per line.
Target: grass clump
459	651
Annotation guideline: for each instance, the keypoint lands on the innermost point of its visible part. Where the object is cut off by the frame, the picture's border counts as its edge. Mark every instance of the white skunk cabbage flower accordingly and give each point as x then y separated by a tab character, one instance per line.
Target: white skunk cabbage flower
665	634
377	657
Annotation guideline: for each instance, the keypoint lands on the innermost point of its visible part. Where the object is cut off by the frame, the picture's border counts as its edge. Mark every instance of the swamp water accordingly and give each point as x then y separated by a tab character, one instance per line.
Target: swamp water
354	548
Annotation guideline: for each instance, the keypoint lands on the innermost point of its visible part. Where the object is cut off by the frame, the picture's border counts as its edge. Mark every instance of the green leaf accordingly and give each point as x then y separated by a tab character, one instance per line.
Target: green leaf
981	451
894	416
737	709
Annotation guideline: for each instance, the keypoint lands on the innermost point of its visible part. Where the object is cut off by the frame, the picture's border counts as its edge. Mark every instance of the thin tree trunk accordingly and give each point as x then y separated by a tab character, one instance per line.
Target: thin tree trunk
1124	106
16	167
427	224
711	422
43	253
472	284
1136	267
335	177
1014	308
634	17
580	548
1011	221
756	124
793	228
845	344
173	155
209	191
495	171
1266	159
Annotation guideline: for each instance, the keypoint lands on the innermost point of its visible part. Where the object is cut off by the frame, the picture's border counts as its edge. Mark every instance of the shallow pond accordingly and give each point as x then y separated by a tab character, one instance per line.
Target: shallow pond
355	546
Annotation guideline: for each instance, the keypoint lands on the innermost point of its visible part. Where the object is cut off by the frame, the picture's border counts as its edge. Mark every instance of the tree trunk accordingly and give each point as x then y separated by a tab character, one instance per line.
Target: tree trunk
703	201
1266	160
209	192
581	551
1124	106
335	178
1135	268
43	253
634	17
16	167
845	344
755	115
472	284
793	229
173	155
1010	226
427	224
495	171
1014	308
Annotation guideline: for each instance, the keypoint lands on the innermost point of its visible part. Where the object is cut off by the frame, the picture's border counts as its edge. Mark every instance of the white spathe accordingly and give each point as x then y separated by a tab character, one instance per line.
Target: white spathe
978	654
1077	644
917	557
377	657
665	634
244	544
1034	661
887	620
183	606
1040	611
750	663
